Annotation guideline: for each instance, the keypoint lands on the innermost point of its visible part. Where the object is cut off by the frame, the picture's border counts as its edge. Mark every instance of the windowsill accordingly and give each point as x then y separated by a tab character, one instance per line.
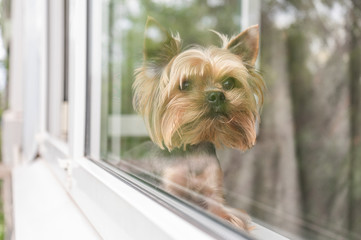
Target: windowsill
43	209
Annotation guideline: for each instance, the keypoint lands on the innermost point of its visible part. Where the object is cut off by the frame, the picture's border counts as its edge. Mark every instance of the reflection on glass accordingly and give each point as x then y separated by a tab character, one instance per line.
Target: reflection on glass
302	176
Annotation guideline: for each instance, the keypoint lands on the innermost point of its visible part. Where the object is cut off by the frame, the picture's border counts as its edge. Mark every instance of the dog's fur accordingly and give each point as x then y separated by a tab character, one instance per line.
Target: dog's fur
195	99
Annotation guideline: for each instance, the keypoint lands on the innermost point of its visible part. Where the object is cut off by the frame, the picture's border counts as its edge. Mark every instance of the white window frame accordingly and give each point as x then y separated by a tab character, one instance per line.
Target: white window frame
117	205
55	73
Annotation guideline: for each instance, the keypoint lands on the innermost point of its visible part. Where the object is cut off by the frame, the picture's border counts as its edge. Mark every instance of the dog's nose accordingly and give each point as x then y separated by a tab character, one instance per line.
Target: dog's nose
216	97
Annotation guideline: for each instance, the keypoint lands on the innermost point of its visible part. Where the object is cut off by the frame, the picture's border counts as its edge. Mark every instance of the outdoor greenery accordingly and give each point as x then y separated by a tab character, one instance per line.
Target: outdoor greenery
4	65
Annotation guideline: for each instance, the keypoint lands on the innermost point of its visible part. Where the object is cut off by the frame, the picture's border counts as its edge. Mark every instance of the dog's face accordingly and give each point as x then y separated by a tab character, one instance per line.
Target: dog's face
200	94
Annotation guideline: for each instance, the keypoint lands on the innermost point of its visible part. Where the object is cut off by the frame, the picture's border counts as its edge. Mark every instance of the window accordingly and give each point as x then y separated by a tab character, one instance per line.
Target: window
300	180
303	144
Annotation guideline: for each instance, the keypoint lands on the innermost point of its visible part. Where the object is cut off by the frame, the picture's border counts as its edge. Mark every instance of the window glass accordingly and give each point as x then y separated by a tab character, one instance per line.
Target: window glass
301	177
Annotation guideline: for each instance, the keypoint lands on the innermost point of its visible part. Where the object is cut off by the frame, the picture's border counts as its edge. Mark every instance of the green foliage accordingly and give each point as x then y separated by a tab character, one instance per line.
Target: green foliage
192	20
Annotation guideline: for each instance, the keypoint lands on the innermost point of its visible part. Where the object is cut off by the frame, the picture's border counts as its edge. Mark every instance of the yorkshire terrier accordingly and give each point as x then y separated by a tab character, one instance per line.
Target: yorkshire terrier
193	101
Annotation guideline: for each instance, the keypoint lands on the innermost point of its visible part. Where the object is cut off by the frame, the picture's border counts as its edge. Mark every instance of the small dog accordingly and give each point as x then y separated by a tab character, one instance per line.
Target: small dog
195	100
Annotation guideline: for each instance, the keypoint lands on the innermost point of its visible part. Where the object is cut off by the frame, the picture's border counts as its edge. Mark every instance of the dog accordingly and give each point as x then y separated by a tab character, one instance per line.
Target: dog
194	100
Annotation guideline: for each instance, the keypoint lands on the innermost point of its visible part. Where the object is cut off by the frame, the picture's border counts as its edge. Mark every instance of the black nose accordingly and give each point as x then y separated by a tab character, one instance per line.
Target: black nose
216	97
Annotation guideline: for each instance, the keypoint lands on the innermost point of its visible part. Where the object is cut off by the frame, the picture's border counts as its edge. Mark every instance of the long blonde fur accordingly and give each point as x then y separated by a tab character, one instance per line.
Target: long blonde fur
176	118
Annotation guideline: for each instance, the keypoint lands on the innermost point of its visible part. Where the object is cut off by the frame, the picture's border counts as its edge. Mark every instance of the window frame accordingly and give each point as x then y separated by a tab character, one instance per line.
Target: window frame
113	200
57	73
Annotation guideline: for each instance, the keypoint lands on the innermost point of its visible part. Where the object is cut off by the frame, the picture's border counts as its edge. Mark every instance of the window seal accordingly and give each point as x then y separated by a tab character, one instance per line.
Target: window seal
204	221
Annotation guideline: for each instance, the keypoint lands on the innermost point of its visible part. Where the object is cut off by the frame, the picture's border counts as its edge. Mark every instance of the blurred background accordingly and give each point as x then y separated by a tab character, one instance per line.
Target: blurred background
303	177
4	66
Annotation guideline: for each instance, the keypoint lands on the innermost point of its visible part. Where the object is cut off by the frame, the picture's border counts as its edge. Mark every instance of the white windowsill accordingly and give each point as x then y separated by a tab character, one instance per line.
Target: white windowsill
43	209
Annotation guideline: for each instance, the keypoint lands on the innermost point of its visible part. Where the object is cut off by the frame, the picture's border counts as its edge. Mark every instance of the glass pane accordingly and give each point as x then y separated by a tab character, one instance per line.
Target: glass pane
301	178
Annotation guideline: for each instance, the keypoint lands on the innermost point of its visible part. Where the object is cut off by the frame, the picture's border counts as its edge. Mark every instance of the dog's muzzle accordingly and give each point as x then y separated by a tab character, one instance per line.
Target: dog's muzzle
216	100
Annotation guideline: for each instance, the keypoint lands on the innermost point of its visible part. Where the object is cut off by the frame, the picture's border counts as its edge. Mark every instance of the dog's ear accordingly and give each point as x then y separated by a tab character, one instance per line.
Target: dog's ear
245	45
159	45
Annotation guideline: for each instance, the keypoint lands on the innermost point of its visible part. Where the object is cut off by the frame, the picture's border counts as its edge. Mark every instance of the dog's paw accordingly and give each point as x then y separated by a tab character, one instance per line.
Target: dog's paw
239	219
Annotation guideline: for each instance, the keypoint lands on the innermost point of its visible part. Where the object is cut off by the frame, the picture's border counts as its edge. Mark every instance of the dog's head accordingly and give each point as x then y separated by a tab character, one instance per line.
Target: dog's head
201	94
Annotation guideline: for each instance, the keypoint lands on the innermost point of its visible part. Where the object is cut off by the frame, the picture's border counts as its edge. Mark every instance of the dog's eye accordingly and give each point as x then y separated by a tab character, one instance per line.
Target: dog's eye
185	85
228	84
